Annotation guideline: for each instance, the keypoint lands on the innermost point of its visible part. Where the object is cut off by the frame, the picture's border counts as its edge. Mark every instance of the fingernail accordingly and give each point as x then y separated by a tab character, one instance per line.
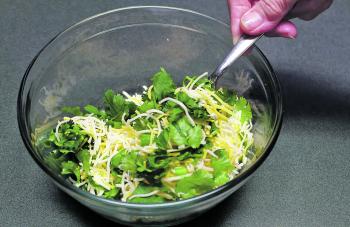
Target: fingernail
252	20
292	36
235	40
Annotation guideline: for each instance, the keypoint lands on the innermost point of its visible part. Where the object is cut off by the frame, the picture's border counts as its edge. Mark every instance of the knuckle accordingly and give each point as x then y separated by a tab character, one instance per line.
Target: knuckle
274	9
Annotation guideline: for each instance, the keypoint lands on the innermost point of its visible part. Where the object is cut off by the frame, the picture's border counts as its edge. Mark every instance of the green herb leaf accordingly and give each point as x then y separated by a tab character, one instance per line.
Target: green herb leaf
126	161
147	200
176	136
187	100
116	105
92	109
222	163
183	125
84	157
70	167
145	139
163	84
180	170
162	140
147	105
199	182
221	179
111	193
174	114
242	105
73	110
195	137
222	167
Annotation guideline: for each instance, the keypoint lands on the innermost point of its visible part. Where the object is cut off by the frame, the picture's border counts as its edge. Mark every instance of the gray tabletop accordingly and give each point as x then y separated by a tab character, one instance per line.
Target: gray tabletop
304	182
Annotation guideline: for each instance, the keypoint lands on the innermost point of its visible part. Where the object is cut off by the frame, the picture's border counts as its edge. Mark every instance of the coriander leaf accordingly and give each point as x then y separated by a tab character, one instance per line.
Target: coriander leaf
163	84
145	139
185	155
92	109
183	125
70	144
70	167
94	184
204	82
221	179
147	105
116	105
180	170
222	167
200	113
147	200
116	124
154	162
54	160
195	137
187	100
73	110
242	105
84	157
64	151
176	137
117	159
111	193
199	182
125	161
174	114
162	140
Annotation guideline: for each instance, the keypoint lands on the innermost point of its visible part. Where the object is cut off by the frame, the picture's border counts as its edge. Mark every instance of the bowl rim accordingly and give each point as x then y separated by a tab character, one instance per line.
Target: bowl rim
22	123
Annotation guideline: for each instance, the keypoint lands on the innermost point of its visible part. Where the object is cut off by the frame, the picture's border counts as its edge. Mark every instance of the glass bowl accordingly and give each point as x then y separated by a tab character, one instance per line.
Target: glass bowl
121	49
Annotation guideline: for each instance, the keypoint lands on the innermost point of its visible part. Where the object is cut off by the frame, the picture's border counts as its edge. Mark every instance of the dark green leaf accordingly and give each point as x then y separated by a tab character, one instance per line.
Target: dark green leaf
176	137
84	157
54	160
126	161
162	140
111	193
147	106
92	109
187	100
70	167
116	105
174	114
163	84
73	110
64	151
243	106
222	164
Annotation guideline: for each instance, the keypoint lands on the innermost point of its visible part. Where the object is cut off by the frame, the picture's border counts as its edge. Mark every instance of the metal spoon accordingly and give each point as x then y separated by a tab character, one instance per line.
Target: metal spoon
237	51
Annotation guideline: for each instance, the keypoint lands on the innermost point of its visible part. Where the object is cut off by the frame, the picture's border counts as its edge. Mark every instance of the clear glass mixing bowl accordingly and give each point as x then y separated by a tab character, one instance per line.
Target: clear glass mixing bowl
121	49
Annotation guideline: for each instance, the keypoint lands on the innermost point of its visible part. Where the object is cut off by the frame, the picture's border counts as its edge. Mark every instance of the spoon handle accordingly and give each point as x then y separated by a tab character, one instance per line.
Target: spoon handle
238	50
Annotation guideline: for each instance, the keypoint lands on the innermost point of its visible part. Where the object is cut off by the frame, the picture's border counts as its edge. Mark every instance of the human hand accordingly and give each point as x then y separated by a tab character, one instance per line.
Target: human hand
255	17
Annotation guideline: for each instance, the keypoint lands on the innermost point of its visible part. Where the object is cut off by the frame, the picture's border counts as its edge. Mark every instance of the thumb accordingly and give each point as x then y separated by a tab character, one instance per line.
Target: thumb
265	15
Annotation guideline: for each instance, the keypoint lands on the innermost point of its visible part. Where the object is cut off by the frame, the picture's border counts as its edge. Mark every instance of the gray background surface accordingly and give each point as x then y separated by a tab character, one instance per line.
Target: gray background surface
304	182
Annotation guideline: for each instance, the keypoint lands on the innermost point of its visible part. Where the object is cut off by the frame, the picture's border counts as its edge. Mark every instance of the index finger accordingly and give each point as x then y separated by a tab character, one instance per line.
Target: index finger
237	8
